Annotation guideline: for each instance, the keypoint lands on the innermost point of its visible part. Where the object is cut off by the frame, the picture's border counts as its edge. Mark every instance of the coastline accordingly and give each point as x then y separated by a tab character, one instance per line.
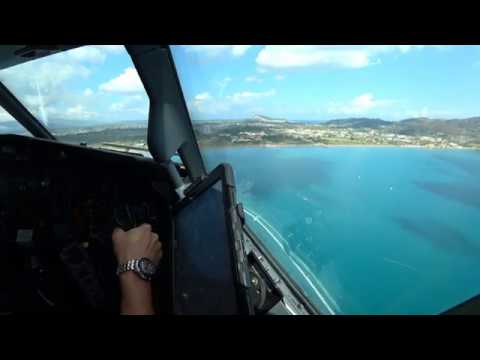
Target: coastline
231	146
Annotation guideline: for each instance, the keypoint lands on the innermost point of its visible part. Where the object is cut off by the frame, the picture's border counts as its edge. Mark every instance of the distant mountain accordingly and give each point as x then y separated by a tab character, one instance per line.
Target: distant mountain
421	126
263	118
463	131
426	126
358	123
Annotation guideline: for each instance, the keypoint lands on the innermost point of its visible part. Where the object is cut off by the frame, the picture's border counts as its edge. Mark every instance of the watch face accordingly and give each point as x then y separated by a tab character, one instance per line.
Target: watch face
147	267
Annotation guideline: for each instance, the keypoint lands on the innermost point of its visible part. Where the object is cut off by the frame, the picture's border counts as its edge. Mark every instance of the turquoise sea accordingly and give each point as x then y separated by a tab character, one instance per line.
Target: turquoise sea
366	230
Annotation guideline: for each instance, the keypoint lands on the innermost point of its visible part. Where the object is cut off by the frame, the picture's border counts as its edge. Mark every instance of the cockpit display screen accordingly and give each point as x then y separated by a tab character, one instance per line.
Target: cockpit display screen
203	262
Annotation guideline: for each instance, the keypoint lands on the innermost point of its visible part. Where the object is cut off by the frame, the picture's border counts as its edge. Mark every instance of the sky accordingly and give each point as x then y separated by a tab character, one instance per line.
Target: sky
98	84
328	82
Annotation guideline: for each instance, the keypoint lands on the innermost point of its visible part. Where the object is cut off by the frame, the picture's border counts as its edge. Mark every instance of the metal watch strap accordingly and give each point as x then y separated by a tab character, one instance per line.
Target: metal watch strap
128	266
132	265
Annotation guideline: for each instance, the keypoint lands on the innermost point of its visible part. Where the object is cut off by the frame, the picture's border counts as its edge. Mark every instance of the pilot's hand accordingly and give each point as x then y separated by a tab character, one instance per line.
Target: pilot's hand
134	244
137	243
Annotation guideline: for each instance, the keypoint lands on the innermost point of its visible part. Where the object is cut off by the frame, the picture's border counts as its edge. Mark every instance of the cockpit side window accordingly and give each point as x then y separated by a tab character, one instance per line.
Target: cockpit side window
9	125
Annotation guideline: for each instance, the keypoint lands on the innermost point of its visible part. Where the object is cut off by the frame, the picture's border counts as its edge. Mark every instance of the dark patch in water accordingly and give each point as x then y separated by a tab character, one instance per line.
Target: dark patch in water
281	174
465	194
268	171
439	235
470	166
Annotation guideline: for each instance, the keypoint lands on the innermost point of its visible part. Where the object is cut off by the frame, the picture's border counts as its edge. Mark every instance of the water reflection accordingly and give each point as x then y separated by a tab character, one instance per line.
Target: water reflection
440	235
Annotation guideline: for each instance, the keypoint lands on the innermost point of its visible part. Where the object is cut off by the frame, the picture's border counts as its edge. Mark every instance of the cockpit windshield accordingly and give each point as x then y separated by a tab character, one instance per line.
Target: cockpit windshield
358	166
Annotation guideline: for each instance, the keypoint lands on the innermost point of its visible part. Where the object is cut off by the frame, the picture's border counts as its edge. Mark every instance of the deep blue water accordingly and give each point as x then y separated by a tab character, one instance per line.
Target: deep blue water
379	230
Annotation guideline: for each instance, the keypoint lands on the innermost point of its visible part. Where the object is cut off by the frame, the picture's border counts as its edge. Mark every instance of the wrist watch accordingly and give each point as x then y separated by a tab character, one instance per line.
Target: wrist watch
143	267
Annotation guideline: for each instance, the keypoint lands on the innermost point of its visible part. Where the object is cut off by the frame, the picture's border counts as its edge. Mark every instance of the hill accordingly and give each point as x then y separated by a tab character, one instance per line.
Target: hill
263	118
358	123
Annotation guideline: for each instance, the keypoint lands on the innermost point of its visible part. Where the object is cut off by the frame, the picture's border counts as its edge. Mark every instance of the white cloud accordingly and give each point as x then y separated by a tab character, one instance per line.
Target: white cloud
346	56
217	50
202	96
222	84
364	102
360	105
123	107
279	77
93	53
201	99
47	75
41	84
206	104
261	70
127	82
87	54
253	78
31	100
118	106
133	103
79	112
88	92
239	50
246	96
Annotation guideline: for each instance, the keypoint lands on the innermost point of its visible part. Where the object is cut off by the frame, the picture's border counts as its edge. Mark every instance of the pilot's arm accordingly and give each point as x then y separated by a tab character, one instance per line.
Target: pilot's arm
137	243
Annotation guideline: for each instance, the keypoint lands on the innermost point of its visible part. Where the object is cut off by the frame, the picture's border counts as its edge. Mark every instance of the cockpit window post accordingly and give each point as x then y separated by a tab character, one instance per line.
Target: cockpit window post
169	126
